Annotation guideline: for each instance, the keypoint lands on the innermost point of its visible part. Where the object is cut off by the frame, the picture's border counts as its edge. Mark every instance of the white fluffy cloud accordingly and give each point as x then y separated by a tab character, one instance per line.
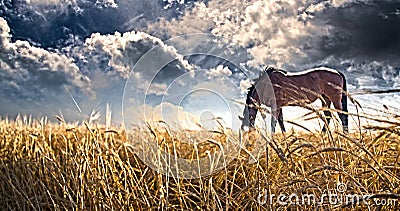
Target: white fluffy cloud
124	50
244	85
274	32
4	33
220	70
134	56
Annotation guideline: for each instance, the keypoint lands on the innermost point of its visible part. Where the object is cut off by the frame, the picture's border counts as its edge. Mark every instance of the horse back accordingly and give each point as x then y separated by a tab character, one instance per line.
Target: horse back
306	86
318	78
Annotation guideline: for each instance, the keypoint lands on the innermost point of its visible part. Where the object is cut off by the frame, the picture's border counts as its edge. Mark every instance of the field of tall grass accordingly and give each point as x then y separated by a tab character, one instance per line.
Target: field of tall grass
89	166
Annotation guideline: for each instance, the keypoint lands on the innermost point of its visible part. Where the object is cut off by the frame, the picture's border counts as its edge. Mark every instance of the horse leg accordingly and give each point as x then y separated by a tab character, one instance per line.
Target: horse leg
274	114
280	120
326	102
342	116
345	122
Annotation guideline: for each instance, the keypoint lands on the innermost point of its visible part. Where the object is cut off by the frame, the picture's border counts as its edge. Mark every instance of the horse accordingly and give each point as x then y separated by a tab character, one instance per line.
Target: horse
277	88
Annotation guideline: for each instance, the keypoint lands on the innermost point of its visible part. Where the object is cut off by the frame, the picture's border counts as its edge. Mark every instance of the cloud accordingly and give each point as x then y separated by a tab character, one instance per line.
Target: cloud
293	33
69	3
184	25
32	72
363	31
245	85
373	74
66	22
144	60
4	34
272	31
220	70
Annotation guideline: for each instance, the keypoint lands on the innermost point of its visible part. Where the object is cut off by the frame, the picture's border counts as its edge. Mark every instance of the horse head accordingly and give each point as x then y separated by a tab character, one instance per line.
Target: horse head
250	109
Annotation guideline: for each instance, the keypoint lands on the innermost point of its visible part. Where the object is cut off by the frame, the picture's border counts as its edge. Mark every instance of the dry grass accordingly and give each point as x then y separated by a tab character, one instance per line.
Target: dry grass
61	166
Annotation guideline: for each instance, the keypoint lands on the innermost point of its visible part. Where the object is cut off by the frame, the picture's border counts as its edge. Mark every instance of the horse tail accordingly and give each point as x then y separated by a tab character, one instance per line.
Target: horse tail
344	116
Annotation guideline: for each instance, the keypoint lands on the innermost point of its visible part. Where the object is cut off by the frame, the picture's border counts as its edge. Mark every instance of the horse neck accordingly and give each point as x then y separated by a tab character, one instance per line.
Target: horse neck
265	90
253	98
251	94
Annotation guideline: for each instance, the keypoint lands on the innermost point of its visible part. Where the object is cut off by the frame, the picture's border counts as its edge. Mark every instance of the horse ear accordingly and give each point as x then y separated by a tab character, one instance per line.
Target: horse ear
241	118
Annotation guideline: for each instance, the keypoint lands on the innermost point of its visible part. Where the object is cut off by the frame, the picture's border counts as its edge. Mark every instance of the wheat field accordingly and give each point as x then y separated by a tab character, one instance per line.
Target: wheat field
88	166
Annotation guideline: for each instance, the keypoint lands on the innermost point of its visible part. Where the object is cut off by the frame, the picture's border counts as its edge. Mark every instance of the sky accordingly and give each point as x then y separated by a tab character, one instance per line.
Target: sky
185	62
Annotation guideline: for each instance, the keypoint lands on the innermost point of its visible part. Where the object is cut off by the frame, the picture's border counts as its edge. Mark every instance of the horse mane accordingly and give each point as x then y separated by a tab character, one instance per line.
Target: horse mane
268	70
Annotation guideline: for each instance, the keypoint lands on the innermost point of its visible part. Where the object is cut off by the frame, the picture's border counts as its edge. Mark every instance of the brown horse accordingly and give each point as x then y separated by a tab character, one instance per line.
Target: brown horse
277	88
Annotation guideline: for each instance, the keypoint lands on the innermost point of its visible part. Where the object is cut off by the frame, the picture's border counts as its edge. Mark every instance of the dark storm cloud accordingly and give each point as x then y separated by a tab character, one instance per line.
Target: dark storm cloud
33	80
24	67
58	24
363	31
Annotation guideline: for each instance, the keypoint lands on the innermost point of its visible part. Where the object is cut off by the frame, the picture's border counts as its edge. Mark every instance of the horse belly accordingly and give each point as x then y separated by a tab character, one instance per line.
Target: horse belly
300	98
